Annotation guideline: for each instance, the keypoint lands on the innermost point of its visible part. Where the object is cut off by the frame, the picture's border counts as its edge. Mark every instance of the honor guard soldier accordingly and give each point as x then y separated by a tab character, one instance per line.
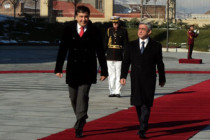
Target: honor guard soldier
191	34
115	41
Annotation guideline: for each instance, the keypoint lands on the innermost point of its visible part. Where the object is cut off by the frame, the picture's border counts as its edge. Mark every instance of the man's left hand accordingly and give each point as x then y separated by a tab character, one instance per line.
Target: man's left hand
162	84
103	78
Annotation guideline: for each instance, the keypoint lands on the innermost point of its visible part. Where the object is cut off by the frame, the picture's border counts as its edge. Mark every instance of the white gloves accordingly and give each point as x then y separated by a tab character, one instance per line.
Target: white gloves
196	31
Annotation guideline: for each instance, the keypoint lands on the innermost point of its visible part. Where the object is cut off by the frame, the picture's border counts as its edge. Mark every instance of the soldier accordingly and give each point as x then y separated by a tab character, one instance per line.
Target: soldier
191	34
115	41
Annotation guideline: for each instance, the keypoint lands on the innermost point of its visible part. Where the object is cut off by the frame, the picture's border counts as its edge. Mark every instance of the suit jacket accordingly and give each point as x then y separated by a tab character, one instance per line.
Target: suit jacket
143	70
82	52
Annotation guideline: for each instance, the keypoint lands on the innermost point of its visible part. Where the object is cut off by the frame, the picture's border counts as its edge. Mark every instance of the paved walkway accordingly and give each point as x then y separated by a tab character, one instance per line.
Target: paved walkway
35	105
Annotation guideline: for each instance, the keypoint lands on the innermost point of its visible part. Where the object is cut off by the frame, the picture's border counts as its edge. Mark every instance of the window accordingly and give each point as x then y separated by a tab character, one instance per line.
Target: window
99	4
7	5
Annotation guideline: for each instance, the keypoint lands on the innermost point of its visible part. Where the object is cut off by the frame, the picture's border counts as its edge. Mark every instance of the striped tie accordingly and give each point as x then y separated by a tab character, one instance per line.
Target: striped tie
142	47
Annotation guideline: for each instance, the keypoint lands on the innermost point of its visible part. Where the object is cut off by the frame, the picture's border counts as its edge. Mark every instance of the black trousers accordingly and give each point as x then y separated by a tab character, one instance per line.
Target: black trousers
190	50
79	96
143	113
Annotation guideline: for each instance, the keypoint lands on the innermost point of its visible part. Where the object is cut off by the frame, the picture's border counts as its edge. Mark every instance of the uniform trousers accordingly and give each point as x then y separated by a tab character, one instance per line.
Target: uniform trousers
190	50
143	113
114	70
79	96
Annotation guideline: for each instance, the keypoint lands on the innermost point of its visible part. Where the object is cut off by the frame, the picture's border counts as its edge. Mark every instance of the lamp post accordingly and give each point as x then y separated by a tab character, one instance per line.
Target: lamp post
141	10
167	35
155	1
35	1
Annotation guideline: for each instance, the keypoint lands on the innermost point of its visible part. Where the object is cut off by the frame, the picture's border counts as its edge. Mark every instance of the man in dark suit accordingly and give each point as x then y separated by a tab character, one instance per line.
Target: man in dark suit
82	42
143	54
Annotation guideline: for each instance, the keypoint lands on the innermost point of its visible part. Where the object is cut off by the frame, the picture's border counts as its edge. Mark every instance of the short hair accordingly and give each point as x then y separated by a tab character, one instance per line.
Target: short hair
192	25
149	25
82	9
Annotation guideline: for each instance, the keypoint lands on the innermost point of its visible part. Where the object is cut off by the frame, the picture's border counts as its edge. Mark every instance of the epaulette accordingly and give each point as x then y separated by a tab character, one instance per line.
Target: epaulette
108	30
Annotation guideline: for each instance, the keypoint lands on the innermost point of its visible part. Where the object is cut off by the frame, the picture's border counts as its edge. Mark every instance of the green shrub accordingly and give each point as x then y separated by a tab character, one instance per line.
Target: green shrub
133	23
206	26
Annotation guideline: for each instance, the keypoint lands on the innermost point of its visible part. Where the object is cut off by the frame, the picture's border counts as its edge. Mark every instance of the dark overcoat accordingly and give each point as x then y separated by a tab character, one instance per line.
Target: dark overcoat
143	70
81	53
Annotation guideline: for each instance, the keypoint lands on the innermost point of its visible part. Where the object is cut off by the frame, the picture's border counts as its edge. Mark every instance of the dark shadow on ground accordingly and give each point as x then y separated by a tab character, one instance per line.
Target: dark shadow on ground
183	128
27	54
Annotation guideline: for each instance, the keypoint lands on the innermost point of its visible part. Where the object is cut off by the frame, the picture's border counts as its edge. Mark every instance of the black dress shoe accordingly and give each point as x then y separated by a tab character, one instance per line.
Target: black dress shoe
111	95
142	134
78	133
118	95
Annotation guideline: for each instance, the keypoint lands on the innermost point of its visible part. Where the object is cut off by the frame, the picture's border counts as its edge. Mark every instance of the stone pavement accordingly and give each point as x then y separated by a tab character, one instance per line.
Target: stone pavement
35	105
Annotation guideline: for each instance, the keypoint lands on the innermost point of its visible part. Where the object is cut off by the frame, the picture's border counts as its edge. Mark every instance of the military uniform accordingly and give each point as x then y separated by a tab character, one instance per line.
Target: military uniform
191	35
115	41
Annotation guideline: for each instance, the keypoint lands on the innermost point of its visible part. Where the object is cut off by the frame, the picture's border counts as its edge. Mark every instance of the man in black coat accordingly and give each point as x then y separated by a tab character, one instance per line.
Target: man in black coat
82	42
143	54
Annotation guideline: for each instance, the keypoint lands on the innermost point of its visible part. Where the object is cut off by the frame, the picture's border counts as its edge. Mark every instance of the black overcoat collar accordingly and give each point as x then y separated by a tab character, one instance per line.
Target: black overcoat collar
147	48
74	28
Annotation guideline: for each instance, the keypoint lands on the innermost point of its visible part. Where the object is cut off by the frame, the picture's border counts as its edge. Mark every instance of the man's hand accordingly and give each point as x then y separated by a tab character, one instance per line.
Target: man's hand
123	81
162	84
60	75
103	78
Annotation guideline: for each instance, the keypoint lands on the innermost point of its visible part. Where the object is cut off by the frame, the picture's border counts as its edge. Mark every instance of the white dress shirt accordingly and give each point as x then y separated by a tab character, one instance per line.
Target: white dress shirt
79	28
145	42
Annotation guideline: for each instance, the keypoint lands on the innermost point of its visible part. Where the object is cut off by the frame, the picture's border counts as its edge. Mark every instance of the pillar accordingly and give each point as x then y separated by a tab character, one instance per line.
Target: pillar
108	9
43	8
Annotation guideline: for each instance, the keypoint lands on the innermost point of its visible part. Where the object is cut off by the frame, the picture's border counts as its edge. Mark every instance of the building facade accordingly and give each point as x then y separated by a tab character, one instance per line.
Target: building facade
7	8
101	10
23	8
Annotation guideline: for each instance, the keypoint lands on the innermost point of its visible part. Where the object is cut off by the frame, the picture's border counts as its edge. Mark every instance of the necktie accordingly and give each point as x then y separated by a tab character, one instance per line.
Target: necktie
142	47
81	31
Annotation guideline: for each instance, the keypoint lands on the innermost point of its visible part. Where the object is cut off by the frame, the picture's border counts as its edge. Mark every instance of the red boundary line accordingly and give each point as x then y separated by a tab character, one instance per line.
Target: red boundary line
27	71
52	71
188	72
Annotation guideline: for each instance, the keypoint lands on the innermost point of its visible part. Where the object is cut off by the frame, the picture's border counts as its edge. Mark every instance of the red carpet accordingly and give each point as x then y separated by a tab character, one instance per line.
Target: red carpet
176	116
190	61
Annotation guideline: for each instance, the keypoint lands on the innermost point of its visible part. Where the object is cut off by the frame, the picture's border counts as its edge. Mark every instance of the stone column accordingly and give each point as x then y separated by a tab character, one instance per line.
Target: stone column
43	8
108	9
